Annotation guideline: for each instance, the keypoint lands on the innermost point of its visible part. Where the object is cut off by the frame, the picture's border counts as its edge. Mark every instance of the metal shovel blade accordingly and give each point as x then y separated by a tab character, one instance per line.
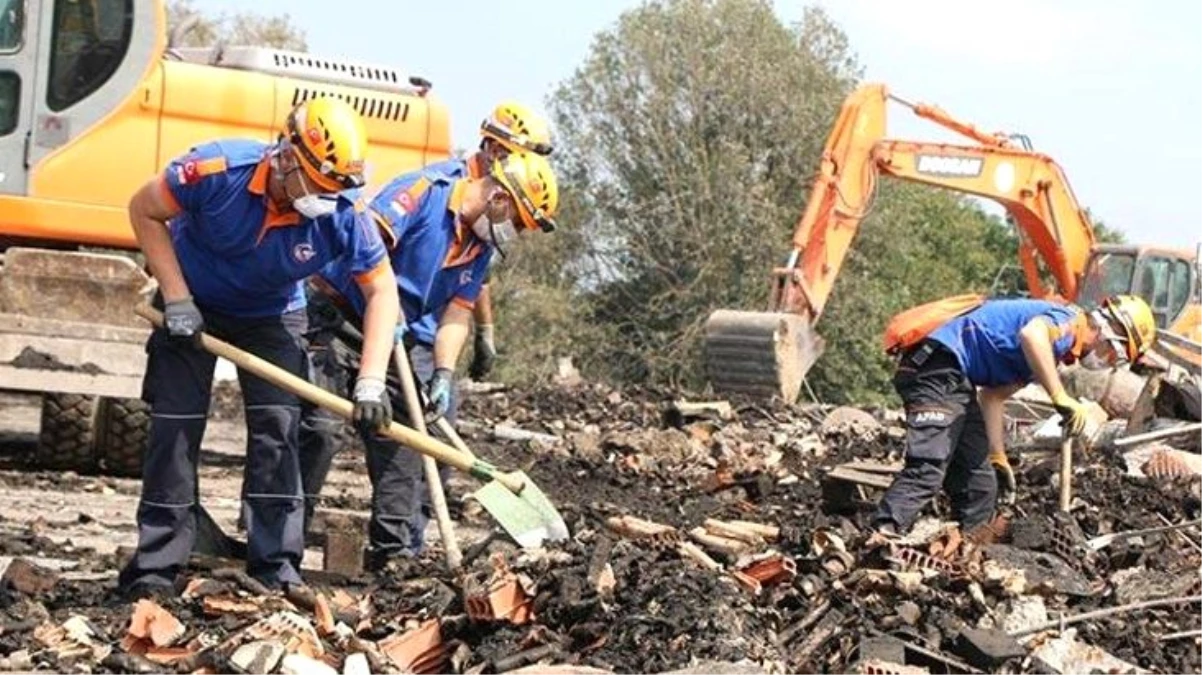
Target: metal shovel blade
528	516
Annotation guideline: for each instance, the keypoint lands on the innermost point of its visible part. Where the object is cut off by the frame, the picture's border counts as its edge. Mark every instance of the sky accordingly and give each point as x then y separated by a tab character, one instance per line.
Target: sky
1109	89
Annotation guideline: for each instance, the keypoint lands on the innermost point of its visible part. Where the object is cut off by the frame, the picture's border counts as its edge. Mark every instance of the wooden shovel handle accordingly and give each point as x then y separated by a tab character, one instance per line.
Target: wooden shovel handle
285	380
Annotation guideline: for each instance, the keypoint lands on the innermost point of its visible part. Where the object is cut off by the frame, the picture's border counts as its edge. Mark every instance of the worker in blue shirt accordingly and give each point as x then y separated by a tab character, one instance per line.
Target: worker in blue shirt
442	233
955	433
510	127
230	230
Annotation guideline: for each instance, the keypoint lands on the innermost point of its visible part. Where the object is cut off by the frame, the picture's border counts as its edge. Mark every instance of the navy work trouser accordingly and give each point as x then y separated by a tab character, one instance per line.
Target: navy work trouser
400	502
177	385
946	444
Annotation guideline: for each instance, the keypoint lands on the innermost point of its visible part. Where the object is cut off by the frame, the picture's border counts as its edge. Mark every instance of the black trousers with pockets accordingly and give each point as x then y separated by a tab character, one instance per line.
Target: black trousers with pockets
400	502
946	444
177	386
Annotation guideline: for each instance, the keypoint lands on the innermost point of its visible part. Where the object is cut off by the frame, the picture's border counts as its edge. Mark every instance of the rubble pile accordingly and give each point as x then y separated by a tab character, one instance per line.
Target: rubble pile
725	536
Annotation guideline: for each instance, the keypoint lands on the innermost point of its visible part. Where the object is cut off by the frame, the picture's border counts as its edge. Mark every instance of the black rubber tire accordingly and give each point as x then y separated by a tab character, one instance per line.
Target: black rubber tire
122	431
65	441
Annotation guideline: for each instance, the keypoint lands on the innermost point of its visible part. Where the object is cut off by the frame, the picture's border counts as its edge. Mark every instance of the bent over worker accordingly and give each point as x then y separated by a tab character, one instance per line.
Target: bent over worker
442	232
230	230
510	127
954	434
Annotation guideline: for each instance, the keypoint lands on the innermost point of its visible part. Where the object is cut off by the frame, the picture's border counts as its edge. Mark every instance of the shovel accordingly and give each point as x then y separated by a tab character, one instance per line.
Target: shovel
1066	473
512	498
514	521
433	481
1100	542
448	431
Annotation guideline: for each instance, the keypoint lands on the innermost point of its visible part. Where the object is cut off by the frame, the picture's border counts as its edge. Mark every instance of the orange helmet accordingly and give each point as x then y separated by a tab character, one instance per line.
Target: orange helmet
330	142
529	179
518	128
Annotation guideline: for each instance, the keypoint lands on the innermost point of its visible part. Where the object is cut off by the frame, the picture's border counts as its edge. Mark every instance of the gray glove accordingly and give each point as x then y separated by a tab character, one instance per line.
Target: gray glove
183	320
373	410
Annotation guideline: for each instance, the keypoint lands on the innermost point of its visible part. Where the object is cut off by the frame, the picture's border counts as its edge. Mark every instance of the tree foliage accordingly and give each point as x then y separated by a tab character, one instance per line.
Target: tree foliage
687	142
240	28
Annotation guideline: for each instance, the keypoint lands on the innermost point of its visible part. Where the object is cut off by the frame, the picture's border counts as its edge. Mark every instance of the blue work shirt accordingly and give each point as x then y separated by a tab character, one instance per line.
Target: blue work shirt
242	257
471	166
436	259
986	340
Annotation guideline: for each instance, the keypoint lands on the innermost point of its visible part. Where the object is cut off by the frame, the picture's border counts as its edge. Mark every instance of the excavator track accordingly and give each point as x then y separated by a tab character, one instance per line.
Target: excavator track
761	354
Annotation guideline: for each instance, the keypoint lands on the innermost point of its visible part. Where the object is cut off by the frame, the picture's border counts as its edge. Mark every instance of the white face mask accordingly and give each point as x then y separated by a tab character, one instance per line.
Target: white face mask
308	204
496	234
1092	361
315	206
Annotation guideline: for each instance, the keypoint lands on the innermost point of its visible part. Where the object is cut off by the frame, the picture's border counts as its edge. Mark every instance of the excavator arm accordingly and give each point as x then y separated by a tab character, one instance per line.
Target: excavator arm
768	353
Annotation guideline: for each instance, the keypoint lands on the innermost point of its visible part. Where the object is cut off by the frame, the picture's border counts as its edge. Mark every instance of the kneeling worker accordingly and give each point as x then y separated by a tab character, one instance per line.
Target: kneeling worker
954	433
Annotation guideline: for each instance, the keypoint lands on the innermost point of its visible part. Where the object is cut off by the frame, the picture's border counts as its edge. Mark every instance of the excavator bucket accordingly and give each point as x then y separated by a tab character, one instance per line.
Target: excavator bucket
761	354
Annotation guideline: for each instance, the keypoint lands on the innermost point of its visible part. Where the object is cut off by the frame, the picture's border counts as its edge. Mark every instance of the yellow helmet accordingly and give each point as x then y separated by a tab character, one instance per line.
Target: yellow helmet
529	179
1133	317
330	142
516	127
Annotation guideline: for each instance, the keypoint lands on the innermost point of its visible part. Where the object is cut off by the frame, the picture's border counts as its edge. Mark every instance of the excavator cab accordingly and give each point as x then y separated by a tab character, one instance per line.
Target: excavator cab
1168	279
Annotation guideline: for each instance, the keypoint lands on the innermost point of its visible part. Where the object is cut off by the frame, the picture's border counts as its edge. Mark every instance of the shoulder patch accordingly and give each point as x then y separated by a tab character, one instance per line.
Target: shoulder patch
192	170
387	233
406	200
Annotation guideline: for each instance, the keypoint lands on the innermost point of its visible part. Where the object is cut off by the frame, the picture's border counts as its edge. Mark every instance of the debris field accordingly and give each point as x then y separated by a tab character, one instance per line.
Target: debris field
723	536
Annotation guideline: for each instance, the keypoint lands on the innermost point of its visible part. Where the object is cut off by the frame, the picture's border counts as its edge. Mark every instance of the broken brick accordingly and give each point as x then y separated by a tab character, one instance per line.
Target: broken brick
408	648
28	578
215	605
346	540
503	600
325	617
151	622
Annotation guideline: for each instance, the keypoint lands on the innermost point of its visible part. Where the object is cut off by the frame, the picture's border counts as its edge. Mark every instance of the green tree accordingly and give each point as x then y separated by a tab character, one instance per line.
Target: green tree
689	131
687	142
240	28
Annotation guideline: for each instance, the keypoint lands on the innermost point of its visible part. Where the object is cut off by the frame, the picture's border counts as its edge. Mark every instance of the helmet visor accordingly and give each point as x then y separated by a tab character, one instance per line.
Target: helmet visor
521	141
324	169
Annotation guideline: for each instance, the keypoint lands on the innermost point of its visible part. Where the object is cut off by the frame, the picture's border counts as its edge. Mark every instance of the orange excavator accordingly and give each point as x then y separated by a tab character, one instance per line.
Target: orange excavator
768	354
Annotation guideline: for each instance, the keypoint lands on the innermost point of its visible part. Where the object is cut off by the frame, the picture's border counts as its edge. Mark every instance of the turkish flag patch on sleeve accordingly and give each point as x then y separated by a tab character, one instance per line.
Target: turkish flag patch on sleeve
192	170
188	173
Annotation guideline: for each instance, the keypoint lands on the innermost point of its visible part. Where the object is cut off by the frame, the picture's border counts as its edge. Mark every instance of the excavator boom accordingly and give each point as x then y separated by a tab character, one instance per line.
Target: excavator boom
769	353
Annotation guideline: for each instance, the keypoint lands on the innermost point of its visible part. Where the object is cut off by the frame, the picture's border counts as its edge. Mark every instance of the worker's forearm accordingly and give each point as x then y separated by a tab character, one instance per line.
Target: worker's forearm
482	313
379	328
453	329
1037	349
993	410
155	241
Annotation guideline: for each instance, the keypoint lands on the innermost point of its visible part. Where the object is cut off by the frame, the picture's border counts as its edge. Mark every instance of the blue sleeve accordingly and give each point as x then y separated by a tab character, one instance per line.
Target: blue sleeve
365	251
450	168
395	203
1063	318
198	178
468	293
